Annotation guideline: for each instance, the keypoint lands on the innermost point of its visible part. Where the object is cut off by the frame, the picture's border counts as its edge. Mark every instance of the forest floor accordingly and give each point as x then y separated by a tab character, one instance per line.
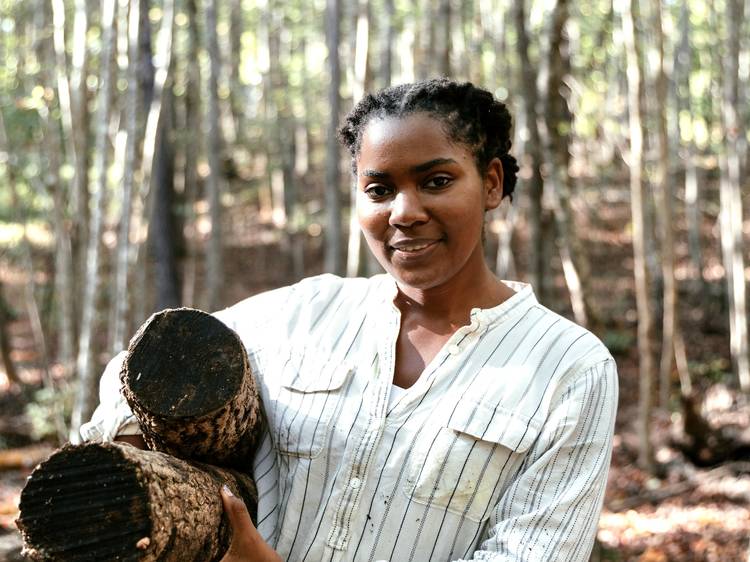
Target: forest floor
685	513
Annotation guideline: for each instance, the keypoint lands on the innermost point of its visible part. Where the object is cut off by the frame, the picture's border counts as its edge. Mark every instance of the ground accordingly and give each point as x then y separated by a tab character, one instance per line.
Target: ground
686	513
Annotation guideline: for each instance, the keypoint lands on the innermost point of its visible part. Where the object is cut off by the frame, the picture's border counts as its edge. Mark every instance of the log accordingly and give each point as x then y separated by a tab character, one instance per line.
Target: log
112	501
188	381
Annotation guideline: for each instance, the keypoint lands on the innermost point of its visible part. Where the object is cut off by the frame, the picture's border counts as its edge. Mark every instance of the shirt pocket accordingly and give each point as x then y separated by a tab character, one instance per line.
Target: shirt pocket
470	462
309	394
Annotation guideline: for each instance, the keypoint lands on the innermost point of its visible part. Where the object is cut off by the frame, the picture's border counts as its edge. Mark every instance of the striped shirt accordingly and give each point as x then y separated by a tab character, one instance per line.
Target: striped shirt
499	451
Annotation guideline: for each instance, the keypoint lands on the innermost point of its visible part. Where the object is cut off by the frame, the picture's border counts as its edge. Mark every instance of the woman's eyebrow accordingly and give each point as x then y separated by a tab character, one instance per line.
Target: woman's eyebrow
374	174
432	163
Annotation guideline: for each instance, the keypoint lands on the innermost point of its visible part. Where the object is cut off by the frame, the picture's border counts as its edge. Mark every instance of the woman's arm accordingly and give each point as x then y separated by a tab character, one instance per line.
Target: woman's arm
551	510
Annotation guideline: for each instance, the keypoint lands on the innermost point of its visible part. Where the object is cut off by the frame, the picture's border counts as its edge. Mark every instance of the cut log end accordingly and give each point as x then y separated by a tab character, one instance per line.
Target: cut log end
111	501
85	504
183	352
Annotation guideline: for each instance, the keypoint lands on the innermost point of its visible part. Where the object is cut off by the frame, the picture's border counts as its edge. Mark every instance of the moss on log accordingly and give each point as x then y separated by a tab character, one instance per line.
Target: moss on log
188	381
111	501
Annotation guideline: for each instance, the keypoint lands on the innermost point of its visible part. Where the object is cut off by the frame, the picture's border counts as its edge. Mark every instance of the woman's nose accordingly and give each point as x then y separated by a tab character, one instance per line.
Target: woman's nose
407	210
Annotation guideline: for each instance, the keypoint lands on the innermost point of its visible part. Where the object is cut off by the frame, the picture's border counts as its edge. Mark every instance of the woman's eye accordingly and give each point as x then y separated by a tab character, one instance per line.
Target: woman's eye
438	181
377	191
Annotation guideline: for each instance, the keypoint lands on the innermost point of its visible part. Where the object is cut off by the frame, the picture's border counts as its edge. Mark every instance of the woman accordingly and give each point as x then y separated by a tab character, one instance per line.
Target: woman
434	412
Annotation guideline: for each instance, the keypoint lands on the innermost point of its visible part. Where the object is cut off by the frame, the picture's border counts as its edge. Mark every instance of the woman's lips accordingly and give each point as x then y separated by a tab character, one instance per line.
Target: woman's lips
413	248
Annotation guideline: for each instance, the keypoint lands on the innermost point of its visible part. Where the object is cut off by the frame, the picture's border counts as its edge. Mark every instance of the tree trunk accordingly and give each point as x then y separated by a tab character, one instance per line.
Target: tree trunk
192	150
536	216
163	232
80	113
187	379
7	362
237	97
124	248
356	262
664	205
155	84
731	198
629	11
553	121
692	183
111	501
86	394
443	38
334	238
386	54
214	183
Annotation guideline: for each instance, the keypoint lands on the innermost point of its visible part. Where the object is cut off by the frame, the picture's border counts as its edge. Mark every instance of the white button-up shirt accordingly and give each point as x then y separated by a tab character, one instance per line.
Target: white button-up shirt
499	451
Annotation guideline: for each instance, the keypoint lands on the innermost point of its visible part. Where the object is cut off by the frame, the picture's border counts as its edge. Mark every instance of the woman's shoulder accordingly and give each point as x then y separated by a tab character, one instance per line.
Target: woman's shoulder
274	311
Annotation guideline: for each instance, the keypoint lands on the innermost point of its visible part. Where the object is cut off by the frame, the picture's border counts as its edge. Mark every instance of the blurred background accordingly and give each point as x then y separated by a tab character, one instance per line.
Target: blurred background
163	153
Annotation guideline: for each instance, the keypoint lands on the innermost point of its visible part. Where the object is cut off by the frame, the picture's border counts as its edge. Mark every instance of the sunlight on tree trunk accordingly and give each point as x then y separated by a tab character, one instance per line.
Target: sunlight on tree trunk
86	393
124	248
731	199
628	12
664	206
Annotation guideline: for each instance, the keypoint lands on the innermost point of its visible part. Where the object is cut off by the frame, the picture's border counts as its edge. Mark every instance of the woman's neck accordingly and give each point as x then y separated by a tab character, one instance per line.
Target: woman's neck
452	302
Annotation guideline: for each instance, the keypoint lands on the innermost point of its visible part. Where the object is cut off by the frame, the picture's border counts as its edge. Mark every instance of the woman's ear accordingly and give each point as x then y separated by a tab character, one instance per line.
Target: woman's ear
493	184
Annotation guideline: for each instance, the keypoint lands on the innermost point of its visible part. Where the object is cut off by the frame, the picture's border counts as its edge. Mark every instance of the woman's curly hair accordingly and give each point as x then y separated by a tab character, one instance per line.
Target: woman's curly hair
471	116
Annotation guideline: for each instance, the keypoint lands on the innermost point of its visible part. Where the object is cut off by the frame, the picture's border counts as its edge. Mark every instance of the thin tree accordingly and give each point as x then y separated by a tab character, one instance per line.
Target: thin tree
731	197
80	114
356	262
532	148
6	361
552	120
214	261
155	77
684	105
664	206
334	241
86	393
629	14
191	149
120	302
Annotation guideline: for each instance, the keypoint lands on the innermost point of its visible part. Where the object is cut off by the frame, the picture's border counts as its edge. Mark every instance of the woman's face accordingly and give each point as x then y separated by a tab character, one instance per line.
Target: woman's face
421	200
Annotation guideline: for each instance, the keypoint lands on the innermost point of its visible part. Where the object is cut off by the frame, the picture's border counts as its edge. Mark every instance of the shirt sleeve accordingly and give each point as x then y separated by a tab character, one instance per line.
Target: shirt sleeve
551	510
112	416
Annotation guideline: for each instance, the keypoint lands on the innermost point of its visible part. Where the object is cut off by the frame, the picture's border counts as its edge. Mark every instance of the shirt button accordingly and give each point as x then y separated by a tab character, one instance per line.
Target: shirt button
454	349
355	483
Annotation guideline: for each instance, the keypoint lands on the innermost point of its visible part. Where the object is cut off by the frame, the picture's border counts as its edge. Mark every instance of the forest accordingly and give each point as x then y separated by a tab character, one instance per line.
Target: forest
165	153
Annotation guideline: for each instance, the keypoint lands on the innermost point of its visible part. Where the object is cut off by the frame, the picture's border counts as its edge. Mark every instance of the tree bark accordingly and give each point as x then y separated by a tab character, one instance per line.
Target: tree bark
214	183
191	151
554	122
334	237
124	248
530	100
163	233
628	12
692	183
356	262
86	394
7	361
111	501
731	198
187	379
664	207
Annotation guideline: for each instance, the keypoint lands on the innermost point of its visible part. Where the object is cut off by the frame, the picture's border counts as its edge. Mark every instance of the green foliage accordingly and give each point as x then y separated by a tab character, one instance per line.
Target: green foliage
48	406
619	342
715	369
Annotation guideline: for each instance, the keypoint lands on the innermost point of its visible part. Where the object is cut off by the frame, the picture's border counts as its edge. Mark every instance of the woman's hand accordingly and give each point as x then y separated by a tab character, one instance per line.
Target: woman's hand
247	545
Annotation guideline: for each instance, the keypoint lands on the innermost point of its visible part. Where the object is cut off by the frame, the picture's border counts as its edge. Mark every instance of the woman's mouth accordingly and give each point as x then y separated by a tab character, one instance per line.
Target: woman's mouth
412	248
